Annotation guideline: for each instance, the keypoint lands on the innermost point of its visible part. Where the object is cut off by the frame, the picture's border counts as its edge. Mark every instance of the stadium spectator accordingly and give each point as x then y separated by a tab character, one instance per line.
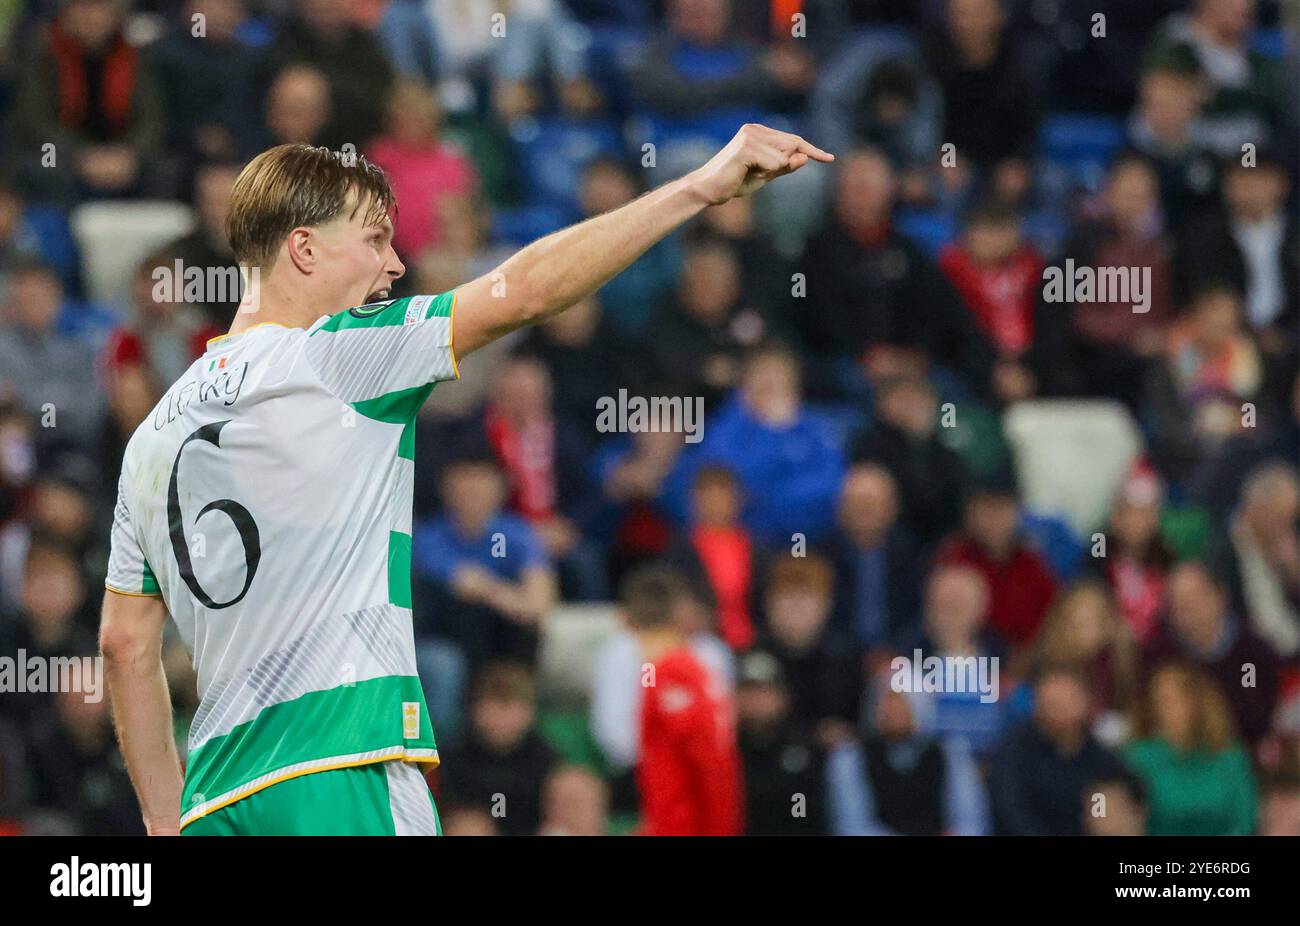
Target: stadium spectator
1201	629
88	99
784	454
206	249
1108	344
542	454
1038	776
162	333
784	779
485	580
1138	558
17	476
1254	246
543	52
501	763
1194	397
298	106
207	81
617	686
630	299
765	272
1166	127
954	625
689	776
51	621
697	66
574	347
1246	95
903	779
990	108
903	439
1197	774
878	564
1261	559
1021	583
821	666
997	274
1279	813
633	472
421	167
323	34
1115	807
719	554
871	287
1084	630
76	766
704	330
49	374
17	241
575	802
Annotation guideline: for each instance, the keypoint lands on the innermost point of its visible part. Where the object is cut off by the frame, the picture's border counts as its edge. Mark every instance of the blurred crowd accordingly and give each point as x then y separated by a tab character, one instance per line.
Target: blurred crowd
858	336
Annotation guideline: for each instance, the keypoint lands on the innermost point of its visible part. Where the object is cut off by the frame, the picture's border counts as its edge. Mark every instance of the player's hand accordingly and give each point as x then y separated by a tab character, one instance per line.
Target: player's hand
754	156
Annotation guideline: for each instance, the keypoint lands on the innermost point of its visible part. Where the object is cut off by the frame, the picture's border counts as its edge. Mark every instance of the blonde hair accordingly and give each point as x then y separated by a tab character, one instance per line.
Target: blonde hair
1212	726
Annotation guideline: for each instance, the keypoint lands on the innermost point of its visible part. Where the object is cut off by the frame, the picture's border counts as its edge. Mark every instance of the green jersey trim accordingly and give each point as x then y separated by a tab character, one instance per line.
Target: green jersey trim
352	724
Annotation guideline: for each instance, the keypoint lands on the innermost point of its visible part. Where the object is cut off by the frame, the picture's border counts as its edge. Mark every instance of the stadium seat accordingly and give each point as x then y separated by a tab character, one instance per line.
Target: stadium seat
931	229
554	152
525	224
58	248
1071	457
115	237
1076	148
570	639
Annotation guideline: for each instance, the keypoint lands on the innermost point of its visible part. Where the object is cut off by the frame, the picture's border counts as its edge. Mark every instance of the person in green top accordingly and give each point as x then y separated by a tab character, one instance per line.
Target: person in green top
1198	776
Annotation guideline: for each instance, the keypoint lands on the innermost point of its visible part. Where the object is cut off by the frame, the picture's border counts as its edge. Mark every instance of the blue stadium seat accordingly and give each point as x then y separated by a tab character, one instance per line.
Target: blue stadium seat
1077	148
553	152
931	229
58	247
1056	541
525	224
1269	42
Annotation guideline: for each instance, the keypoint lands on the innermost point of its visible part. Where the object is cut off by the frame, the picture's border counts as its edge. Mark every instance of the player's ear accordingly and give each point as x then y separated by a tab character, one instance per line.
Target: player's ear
301	247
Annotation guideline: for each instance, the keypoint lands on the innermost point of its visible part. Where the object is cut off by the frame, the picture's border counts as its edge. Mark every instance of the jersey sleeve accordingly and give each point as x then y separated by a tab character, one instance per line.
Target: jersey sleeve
390	351
129	572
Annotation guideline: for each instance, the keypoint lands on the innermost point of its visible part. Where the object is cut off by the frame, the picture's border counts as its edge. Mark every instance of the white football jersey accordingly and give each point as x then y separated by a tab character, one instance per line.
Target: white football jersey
267	499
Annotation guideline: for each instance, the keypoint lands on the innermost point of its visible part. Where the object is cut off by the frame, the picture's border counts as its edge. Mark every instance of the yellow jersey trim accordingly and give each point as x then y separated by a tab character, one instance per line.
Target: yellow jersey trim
239	793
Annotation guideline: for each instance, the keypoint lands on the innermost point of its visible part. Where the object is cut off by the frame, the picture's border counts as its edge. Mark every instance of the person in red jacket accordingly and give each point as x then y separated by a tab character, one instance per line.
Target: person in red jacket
1021	584
689	775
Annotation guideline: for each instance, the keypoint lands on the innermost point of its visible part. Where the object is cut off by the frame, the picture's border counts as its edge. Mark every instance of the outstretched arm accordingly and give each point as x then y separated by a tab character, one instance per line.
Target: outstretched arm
130	638
554	272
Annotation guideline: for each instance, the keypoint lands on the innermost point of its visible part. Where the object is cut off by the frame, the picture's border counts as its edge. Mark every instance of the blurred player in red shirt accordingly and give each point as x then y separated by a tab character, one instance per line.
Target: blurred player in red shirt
689	775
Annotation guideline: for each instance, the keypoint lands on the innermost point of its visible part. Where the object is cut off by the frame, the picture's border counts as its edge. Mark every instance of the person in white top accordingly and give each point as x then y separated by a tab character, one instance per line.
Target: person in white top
265	504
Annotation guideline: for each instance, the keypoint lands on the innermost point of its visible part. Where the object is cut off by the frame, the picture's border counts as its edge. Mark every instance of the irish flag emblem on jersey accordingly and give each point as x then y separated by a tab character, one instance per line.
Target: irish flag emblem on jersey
217	363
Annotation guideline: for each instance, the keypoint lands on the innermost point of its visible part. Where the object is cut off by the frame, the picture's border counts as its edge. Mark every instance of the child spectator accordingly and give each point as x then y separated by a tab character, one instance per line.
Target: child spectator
501	763
721	553
821	665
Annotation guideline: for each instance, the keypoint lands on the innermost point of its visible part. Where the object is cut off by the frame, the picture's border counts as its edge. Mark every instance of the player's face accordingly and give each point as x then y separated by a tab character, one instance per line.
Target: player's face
357	258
